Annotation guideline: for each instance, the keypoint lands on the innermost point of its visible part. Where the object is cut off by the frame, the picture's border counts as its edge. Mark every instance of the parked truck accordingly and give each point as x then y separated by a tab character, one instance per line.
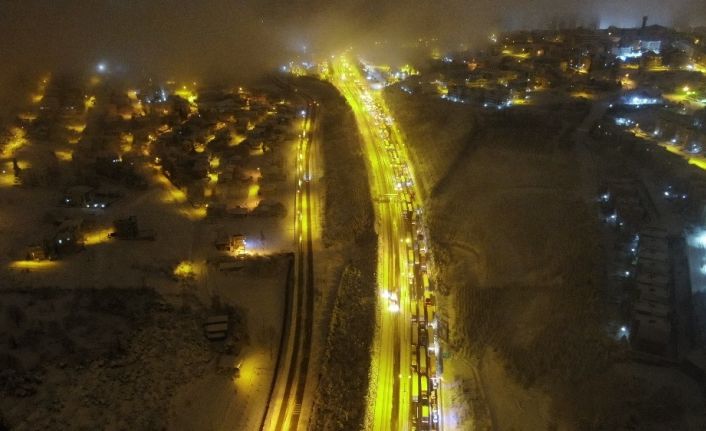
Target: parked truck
425	281
420	312
423	336
413	308
429	312
423	361
425	414
424	393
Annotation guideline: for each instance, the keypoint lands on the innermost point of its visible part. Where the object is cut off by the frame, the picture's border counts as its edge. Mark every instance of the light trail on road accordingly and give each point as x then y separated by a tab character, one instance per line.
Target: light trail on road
402	393
286	399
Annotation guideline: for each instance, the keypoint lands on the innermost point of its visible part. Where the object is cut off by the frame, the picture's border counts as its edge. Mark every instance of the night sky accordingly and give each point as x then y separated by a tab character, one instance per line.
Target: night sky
219	38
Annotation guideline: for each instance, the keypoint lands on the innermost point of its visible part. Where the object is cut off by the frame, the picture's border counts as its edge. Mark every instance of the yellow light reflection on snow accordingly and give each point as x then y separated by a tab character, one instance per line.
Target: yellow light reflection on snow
89	102
184	269
17	140
97	237
76	127
253	198
64	155
187	94
32	264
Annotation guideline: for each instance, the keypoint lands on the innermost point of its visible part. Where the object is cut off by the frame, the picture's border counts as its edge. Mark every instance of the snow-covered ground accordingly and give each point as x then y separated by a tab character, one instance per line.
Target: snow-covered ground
512	239
197	393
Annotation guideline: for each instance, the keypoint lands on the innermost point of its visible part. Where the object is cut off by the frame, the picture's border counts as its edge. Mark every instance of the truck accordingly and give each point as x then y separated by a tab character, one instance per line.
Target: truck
423	336
432	366
420	312
408	212
424	393
37	253
429	312
425	414
414	417
414	311
429	298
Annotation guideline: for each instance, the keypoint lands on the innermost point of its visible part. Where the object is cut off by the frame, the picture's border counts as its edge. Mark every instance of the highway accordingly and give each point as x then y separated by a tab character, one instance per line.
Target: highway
402	393
285	405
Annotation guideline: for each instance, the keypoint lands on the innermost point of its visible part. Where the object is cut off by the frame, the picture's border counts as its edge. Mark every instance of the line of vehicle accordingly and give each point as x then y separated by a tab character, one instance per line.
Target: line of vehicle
411	296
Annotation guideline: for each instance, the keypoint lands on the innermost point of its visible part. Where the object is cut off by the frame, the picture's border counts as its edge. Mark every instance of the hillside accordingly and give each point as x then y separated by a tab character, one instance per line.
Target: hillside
519	266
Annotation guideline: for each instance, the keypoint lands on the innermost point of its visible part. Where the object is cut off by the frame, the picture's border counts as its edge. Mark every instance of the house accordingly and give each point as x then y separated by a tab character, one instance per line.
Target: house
652	254
650	60
270	208
201	166
653	293
234	244
78	196
654	245
237	211
653	266
68	237
496	98
642	96
651	334
216	327
652	308
654	279
653	232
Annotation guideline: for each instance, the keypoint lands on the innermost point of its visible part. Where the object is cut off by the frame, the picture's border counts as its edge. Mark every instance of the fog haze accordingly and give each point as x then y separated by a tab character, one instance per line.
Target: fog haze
240	39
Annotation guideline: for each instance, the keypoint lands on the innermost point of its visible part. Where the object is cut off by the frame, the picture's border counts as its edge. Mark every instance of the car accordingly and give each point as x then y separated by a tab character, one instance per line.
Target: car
394	303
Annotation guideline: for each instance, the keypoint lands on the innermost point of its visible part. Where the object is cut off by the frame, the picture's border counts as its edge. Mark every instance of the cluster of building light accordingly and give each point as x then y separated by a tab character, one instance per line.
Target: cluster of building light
620	121
638	100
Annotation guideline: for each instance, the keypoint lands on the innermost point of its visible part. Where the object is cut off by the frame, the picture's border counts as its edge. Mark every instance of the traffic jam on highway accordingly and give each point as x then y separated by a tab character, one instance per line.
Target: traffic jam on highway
424	349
